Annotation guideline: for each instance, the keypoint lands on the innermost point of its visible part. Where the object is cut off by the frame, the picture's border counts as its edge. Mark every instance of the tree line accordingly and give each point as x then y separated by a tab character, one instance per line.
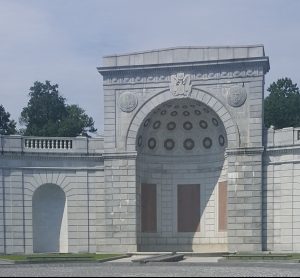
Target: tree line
48	114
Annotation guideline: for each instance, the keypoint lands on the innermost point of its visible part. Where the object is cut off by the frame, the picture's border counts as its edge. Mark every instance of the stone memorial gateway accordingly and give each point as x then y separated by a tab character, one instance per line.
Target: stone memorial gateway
185	164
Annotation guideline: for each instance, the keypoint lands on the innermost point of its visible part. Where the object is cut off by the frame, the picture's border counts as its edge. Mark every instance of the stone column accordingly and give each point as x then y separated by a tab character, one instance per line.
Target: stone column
245	200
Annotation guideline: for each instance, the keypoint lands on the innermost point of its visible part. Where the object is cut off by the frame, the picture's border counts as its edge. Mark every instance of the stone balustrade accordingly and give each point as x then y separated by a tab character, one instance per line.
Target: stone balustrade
76	145
52	144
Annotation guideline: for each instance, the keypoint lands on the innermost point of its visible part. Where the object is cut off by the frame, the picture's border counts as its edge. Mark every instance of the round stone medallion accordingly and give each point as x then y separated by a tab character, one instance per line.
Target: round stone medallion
206	110
207	143
174	113
171	125
147	122
237	96
215	122
169	144
221	140
151	143
188	144
163	112
203	124
140	141
197	112
186	113
156	124
128	102
187	125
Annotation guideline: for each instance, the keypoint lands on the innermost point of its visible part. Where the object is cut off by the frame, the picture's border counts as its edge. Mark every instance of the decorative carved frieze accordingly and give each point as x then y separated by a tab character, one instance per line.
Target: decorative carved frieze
165	75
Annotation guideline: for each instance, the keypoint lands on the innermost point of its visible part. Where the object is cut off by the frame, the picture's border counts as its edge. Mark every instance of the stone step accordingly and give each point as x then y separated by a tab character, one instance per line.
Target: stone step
161	258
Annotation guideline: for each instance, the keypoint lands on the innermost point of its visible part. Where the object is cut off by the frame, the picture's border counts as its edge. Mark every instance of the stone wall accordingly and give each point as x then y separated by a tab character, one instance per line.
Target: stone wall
79	173
281	190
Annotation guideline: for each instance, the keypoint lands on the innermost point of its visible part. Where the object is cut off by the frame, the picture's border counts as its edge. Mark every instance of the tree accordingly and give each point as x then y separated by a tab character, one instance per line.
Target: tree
47	114
282	106
7	126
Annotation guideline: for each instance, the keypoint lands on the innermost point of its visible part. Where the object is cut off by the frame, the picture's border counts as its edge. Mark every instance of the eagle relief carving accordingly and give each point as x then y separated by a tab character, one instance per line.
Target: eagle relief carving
180	84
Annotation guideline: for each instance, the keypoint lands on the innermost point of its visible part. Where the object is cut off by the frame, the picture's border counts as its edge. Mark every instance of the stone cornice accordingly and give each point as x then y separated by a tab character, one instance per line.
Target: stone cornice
120	155
287	149
259	61
50	156
101	168
245	151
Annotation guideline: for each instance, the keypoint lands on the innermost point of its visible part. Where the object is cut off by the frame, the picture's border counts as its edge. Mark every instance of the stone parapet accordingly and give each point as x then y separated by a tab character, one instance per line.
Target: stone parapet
281	137
75	145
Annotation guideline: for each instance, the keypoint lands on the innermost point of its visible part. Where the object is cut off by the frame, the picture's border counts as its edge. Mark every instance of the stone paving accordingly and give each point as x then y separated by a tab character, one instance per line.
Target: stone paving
153	270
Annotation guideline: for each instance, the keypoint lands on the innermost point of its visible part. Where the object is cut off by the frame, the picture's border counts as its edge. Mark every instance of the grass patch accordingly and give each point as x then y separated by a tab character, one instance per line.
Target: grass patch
263	256
59	257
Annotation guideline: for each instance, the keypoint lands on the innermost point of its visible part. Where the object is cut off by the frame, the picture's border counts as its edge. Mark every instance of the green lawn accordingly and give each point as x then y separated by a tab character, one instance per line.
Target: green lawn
62	257
264	256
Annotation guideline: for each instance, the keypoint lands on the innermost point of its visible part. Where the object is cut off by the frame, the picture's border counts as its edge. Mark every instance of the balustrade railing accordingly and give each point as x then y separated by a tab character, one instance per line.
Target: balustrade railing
71	145
51	144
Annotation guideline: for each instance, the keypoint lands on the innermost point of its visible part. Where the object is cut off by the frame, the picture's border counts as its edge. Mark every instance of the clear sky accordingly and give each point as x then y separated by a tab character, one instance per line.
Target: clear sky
64	40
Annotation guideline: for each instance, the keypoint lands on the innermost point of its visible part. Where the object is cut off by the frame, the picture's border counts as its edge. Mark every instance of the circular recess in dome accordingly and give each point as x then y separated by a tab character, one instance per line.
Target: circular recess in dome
171	125
169	144
221	140
203	124
187	125
176	106
197	112
147	122
184	106
140	141
163	112
156	124
151	143
188	144
174	113
215	122
186	113
192	105
169	105
205	110
207	143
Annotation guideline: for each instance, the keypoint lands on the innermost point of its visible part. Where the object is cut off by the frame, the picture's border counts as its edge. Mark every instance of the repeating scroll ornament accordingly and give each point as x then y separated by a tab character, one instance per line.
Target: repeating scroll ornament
236	96
180	84
128	102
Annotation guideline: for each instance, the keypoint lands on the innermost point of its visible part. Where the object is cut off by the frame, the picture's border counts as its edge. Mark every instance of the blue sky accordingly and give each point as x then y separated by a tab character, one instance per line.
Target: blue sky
64	40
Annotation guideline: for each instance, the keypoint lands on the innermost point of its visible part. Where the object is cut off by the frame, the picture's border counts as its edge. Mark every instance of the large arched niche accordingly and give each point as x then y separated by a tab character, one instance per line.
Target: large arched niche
49	217
199	95
181	161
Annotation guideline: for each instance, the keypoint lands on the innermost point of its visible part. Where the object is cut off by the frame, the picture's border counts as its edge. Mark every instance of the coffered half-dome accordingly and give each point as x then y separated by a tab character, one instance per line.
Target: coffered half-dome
181	127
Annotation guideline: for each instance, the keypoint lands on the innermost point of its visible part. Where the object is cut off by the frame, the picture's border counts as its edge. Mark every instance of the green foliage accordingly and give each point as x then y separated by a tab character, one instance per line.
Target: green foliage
7	126
47	114
282	106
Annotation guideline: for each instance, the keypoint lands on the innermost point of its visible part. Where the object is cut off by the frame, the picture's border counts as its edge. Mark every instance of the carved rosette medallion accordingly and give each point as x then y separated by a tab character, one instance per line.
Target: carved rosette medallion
236	96
128	102
180	84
